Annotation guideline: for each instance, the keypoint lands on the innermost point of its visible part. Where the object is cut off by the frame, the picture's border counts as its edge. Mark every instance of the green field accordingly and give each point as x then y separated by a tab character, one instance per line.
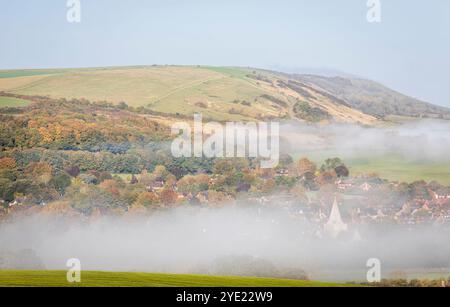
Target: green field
389	166
110	279
13	102
398	169
213	91
27	72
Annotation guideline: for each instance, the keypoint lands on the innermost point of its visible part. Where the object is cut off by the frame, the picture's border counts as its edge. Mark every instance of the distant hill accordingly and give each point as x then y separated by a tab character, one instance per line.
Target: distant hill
373	98
224	93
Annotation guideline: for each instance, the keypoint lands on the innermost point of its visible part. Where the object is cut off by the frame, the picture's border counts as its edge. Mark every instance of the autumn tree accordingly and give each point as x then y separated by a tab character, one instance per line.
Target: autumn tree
342	171
306	167
285	160
223	167
161	172
299	192
229	167
102	176
284	181
60	209
7	163
6	189
420	190
215	197
8	168
193	184
88	179
145	178
265	173
40	172
110	186
248	176
268	186
73	170
168	196
147	199
134	180
326	177
61	181
331	164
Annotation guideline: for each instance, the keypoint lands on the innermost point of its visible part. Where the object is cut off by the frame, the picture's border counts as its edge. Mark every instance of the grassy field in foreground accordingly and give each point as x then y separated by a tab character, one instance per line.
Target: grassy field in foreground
111	279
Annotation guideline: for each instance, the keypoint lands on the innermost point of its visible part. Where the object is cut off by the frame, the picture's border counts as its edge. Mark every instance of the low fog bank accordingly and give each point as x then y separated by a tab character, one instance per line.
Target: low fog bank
228	241
427	140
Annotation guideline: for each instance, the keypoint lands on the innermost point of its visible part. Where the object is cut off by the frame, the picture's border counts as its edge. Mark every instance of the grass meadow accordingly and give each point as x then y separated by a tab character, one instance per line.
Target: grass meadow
13	102
113	279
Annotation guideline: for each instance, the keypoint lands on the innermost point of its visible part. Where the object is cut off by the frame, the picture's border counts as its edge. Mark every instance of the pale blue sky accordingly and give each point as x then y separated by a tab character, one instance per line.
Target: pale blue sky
408	51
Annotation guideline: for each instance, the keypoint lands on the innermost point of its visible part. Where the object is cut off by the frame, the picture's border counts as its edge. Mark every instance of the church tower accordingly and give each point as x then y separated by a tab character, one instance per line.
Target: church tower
335	225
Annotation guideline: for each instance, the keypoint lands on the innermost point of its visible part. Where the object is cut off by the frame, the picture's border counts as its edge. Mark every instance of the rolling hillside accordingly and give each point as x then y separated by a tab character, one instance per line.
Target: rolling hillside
373	98
221	93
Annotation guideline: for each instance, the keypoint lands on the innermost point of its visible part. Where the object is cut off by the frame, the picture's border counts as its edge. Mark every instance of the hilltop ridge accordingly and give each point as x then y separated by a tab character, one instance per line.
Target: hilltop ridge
224	93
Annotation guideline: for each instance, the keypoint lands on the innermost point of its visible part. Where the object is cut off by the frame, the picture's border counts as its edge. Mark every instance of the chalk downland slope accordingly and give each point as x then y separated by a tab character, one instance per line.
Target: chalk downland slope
373	98
222	93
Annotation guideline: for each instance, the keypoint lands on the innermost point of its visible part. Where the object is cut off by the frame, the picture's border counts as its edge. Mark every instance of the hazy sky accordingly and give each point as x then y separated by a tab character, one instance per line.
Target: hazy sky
408	51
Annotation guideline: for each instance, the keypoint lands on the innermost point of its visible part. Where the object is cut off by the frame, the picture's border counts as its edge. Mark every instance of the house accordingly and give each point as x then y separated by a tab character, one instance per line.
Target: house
213	180
344	184
263	200
155	186
443	193
14	203
366	187
282	172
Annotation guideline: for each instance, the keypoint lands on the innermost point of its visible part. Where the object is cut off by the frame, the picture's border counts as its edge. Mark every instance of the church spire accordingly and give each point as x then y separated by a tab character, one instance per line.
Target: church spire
335	225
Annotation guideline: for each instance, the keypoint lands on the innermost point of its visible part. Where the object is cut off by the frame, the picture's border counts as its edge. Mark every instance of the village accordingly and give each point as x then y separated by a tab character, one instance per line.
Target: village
328	197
